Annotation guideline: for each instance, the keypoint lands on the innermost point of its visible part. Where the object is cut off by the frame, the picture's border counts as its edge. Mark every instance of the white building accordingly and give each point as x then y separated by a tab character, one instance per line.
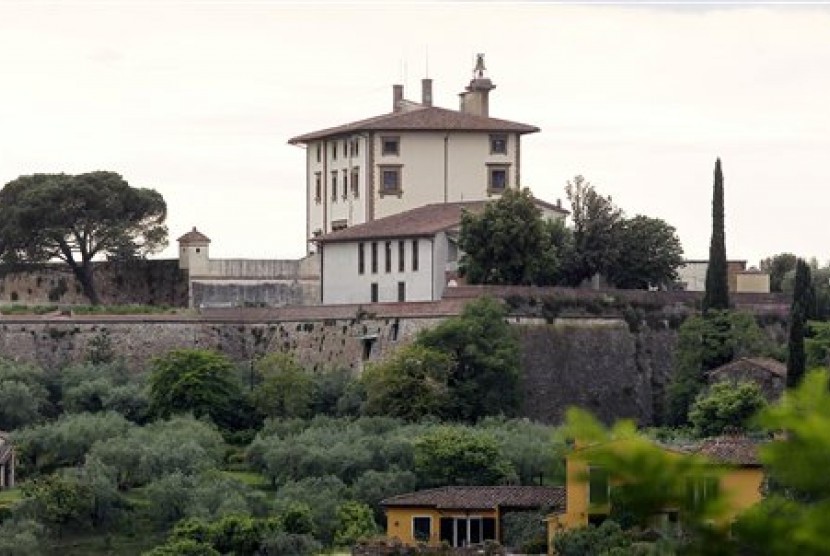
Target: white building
416	155
409	256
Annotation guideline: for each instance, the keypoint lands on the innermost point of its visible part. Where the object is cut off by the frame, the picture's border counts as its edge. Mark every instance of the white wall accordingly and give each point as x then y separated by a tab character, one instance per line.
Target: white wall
693	274
343	284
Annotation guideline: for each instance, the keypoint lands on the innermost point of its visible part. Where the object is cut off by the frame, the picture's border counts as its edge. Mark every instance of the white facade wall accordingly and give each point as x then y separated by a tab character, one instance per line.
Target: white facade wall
693	274
342	283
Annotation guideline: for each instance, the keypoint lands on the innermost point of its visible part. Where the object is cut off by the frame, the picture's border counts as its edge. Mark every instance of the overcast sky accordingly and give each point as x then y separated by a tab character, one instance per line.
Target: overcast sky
198	99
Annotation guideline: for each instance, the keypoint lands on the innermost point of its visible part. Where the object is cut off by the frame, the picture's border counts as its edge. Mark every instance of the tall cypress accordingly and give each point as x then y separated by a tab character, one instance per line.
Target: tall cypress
717	281
800	311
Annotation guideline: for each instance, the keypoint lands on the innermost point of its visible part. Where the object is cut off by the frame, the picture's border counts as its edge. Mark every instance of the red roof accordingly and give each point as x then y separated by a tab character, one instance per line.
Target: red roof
194	236
732	449
420	118
744	364
482	498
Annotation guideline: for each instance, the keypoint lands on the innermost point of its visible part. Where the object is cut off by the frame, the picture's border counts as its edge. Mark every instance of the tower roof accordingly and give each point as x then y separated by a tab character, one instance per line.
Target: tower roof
194	236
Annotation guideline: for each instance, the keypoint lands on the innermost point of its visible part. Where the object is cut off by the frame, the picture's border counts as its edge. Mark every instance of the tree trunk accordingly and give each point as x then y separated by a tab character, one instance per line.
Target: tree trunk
84	275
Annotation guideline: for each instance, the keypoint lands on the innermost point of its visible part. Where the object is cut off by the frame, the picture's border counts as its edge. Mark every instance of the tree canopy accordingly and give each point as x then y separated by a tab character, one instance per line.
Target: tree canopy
648	254
778	266
76	218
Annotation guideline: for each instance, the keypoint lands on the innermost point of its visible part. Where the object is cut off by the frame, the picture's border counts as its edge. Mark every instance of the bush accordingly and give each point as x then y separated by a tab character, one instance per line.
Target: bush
591	540
726	406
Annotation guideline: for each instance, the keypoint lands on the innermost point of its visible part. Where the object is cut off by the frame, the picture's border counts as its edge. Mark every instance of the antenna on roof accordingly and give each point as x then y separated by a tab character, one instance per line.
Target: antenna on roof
427	61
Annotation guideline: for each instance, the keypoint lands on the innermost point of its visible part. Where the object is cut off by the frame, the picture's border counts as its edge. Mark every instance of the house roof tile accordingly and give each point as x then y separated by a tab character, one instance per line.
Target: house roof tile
482	497
749	364
419	118
194	236
732	449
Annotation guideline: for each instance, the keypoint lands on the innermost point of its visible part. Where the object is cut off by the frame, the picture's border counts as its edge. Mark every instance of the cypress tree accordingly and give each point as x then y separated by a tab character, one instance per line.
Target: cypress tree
717	281
800	311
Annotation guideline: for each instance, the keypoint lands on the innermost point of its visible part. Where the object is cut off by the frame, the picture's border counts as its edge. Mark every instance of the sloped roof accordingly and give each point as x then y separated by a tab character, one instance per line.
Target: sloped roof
749	364
420	118
194	236
732	449
482	497
6	449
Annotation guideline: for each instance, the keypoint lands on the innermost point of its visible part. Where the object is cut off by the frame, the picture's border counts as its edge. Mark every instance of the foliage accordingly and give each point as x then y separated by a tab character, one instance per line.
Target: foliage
726	406
411	384
354	522
19	405
323	495
289	544
200	382
591	540
185	547
817	345
21	538
777	267
485	351
76	218
803	307
649	254
523	530
456	455
373	486
60	501
509	243
717	282
284	388
534	461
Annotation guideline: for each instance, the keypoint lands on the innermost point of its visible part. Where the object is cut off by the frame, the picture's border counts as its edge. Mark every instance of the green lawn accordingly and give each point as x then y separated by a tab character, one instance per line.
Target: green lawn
250	478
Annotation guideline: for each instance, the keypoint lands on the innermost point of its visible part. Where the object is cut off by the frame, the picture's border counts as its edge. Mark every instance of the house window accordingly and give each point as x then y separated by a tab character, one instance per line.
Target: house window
334	150
401	291
390	180
356	147
458	532
498	176
374	257
599	487
356	182
341	224
700	491
498	143
318	187
421	528
390	146
345	184
345	147
319	151
401	256
334	185
361	258
414	255
373	292
388	253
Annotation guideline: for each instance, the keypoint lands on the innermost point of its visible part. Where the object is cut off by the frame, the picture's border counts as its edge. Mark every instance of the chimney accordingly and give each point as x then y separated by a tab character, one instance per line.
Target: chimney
426	92
476	98
397	97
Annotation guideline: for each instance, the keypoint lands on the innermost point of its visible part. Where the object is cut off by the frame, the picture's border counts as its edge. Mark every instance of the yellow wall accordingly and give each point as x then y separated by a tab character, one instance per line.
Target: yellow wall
399	522
741	487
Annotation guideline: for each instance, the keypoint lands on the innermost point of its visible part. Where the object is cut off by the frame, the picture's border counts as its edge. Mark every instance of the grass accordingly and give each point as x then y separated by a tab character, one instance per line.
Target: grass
10	496
250	478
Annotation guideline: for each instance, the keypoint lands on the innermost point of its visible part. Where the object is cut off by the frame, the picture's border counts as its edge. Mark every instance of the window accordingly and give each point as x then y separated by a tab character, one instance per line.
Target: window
401	291
334	185
700	490
356	182
390	146
401	256
373	292
356	147
345	184
390	180
465	531
334	150
498	143
421	528
498	176
374	257
361	258
599	487
319	151
341	224
345	148
318	187
388	253
414	254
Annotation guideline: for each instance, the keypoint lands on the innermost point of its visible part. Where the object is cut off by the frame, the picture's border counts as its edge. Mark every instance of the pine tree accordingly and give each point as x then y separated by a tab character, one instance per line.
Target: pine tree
717	282
800	311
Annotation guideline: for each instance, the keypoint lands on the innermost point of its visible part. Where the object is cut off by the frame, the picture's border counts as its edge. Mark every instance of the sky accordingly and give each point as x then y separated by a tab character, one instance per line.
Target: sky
198	99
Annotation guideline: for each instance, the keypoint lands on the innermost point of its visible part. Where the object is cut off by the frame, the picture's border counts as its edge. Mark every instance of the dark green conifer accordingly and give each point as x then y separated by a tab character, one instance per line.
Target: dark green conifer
717	281
800	311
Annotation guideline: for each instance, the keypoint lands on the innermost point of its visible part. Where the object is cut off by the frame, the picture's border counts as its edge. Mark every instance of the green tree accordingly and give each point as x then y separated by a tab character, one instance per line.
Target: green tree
649	254
778	266
411	384
717	280
60	501
285	389
76	218
817	345
597	224
200	382
454	455
23	537
509	243
19	405
354	522
801	310
726	406
485	352
186	547
592	540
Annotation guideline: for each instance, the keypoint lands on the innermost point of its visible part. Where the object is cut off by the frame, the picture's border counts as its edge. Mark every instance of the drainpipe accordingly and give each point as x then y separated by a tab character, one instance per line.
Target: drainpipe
446	167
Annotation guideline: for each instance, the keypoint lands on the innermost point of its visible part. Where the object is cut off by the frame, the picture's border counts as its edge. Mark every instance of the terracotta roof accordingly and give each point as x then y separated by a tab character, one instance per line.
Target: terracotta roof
420	118
6	449
194	236
482	497
419	222
733	449
752	363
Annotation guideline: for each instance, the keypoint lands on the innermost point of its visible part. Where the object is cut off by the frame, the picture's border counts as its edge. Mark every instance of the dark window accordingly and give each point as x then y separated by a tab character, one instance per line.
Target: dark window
373	292
414	255
447	531
421	528
318	187
356	182
361	259
367	347
401	256
700	491
341	224
498	144
334	185
319	151
388	253
598	485
390	146
356	145
334	150
475	531
401	291
345	183
497	178
390	179
345	147
374	257
489	529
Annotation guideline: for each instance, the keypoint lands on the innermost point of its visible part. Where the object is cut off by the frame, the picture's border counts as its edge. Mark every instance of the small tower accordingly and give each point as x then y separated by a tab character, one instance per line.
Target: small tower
476	98
193	252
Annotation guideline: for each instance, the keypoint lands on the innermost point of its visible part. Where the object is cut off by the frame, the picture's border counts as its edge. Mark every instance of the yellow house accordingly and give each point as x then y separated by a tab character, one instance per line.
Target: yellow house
739	482
462	515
